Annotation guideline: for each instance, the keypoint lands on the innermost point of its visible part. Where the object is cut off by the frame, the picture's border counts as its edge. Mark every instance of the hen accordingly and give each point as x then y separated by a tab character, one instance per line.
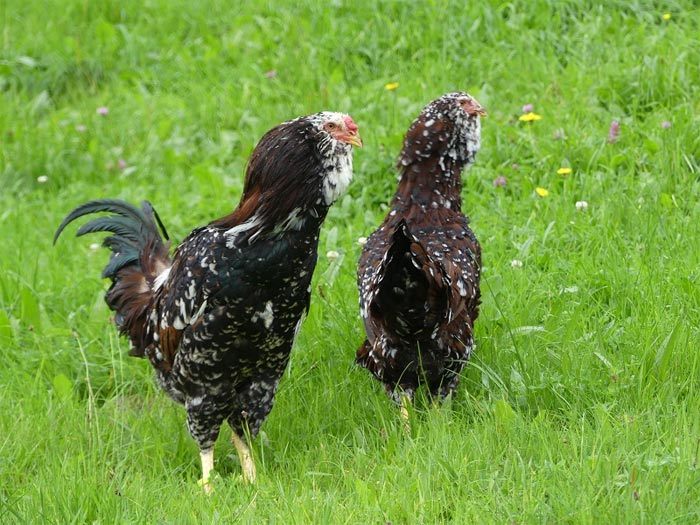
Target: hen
217	320
418	275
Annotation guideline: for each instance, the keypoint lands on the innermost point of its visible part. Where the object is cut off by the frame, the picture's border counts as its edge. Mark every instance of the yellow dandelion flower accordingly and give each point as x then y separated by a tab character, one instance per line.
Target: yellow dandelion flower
563	171
391	86
541	192
666	16
529	117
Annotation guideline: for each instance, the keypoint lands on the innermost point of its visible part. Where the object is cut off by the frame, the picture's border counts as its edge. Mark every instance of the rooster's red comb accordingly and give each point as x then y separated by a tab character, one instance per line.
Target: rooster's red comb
350	123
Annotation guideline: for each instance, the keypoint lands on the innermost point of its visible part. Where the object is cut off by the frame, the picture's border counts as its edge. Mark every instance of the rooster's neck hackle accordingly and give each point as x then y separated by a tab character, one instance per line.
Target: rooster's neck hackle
293	177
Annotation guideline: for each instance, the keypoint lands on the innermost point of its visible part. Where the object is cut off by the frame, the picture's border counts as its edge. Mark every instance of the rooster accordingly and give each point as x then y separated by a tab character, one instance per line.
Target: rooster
418	275
218	319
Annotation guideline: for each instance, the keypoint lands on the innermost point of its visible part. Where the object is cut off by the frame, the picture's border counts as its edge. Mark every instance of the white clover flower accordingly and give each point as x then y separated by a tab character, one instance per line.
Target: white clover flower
332	255
41	179
581	205
362	241
516	263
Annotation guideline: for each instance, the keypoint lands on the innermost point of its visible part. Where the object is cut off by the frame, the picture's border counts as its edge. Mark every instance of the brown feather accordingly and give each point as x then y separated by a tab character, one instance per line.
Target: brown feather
243	212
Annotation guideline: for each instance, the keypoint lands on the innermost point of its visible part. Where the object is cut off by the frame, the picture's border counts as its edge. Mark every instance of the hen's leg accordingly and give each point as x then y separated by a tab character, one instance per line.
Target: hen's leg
450	380
405	416
403	398
244	454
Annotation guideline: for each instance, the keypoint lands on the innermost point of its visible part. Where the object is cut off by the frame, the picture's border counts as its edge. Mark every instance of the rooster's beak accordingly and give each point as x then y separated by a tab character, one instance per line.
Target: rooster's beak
352	138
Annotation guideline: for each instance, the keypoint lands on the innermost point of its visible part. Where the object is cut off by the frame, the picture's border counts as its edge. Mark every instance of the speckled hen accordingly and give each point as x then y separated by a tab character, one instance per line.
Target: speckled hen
418	274
217	320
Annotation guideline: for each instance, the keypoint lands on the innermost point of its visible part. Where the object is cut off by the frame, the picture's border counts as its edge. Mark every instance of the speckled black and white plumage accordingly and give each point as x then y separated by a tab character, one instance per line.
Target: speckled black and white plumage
218	320
418	275
236	310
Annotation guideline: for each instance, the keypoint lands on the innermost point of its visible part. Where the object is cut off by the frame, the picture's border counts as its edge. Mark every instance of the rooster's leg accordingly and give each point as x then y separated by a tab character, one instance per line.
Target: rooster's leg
245	456
207	457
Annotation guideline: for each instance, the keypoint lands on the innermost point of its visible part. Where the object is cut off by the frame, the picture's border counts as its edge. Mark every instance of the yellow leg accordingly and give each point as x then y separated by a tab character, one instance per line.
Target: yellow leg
245	456
207	458
405	403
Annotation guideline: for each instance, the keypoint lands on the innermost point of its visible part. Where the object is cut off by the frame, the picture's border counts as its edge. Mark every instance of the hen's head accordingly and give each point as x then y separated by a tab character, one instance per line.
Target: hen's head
448	128
297	170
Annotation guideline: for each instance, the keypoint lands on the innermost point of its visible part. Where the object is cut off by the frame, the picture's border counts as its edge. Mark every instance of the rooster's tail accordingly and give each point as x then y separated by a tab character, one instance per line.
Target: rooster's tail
139	255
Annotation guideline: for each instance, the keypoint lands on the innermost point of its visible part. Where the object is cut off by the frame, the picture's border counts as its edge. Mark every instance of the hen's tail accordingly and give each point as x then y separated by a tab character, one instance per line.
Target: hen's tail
410	291
139	255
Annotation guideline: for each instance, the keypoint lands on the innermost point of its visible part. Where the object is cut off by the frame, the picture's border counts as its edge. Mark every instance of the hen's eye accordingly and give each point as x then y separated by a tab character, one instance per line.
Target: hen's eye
330	126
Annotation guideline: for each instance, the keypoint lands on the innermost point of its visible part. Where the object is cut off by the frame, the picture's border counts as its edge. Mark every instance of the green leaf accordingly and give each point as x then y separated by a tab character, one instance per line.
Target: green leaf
504	414
5	326
651	146
618	160
665	352
667	200
62	387
31	315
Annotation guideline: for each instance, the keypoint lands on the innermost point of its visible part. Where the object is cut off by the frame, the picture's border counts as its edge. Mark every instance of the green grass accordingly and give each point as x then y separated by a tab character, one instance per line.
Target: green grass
582	403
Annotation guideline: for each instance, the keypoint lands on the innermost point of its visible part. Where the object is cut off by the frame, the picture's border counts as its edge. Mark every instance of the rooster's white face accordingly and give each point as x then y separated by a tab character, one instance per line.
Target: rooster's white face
339	127
337	133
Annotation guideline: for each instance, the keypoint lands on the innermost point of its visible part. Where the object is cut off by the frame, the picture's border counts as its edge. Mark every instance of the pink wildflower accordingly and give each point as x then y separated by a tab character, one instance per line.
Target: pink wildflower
499	181
614	132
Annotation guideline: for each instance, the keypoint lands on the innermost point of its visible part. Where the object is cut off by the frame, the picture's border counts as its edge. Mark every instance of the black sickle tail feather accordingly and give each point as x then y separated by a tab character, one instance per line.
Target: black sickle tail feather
139	254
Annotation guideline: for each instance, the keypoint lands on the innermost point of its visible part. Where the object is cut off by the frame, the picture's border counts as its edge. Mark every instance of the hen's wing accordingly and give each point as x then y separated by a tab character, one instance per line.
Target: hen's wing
456	248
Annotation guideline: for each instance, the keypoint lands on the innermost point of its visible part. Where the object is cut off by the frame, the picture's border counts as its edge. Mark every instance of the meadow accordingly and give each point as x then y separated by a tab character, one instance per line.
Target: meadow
582	402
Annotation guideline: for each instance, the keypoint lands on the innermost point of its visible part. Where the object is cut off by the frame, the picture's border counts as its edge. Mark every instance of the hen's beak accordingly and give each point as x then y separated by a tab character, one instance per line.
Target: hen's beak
473	108
476	109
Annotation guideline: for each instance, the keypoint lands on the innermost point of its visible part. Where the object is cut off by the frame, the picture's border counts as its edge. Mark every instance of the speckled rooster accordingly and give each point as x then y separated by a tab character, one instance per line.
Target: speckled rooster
418	274
217	320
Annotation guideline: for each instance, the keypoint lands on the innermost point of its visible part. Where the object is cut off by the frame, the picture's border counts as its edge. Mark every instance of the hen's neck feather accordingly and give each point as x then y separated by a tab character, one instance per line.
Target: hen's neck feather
430	184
